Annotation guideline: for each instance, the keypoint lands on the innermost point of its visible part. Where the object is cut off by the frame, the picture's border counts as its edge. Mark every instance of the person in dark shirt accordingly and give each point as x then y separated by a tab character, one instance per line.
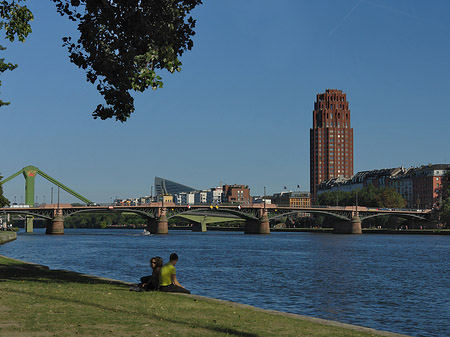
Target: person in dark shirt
150	282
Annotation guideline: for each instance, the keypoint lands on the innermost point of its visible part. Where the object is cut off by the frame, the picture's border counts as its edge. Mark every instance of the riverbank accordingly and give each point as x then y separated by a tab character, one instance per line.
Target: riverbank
6	236
38	301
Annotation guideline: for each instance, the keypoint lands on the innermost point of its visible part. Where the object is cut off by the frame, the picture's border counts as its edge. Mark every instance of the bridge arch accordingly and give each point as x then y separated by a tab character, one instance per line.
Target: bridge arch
320	212
403	216
38	214
149	214
236	213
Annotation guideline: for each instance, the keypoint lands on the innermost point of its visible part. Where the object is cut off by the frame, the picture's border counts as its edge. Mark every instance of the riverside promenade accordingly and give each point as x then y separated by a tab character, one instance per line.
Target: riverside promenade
40	301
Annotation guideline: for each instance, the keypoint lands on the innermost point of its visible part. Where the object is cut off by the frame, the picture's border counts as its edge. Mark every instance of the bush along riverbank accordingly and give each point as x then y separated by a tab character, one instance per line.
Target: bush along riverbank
35	300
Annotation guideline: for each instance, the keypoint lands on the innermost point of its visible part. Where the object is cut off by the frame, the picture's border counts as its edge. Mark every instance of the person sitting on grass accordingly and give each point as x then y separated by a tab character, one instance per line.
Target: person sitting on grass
151	282
167	278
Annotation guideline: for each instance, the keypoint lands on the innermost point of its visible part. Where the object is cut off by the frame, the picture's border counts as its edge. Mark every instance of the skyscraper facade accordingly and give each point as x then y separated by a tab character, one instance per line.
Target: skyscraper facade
331	139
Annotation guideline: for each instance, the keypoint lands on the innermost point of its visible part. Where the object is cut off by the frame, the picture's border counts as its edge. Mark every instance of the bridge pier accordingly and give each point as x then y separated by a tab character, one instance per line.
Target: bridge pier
349	227
56	225
199	226
163	224
159	225
258	226
28	224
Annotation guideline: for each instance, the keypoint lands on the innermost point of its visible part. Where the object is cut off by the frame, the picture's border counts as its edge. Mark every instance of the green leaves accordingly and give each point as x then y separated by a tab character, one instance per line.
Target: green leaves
3	67
444	210
3	200
123	44
15	20
369	196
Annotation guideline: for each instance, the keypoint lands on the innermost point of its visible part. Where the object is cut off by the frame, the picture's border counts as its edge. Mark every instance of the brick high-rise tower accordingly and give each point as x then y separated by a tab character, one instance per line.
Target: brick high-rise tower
331	139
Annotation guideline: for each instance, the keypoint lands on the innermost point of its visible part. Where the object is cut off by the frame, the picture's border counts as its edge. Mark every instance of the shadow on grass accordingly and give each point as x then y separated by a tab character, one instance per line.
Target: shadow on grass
30	272
36	273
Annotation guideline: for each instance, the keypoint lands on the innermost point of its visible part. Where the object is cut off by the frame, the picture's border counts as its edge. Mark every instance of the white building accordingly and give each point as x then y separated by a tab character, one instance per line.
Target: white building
214	196
184	198
201	197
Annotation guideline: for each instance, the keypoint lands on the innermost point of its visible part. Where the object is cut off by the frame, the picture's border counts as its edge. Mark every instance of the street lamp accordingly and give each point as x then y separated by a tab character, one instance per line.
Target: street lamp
264	197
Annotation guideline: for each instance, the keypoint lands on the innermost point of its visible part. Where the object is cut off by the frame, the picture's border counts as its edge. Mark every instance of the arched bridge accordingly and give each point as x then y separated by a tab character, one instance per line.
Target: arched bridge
346	213
256	216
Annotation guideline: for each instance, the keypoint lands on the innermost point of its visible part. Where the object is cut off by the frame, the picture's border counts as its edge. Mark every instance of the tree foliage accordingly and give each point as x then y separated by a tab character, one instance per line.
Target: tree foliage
122	43
15	21
444	210
3	200
369	196
94	220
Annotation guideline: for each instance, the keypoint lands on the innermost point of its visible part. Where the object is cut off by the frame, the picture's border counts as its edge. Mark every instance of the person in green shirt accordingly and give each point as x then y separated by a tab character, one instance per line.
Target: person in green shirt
168	279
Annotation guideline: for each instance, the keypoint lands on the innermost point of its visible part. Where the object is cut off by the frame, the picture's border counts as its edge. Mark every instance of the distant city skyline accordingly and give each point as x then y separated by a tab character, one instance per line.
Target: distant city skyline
241	108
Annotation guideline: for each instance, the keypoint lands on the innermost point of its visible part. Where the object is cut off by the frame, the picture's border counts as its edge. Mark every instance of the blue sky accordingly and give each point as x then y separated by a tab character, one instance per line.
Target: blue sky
240	110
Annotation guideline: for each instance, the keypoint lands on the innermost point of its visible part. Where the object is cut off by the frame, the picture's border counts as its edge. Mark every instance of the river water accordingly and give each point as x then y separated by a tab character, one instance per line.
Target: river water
397	283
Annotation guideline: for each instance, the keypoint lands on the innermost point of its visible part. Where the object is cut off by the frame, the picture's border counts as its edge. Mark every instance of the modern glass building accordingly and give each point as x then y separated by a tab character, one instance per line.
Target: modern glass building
164	186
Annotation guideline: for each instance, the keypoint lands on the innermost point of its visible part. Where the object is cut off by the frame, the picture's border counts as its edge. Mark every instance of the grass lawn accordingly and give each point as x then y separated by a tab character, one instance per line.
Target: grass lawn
36	301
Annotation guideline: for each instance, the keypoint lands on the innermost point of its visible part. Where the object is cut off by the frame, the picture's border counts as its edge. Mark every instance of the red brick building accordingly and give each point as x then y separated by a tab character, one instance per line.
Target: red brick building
331	139
236	194
428	182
